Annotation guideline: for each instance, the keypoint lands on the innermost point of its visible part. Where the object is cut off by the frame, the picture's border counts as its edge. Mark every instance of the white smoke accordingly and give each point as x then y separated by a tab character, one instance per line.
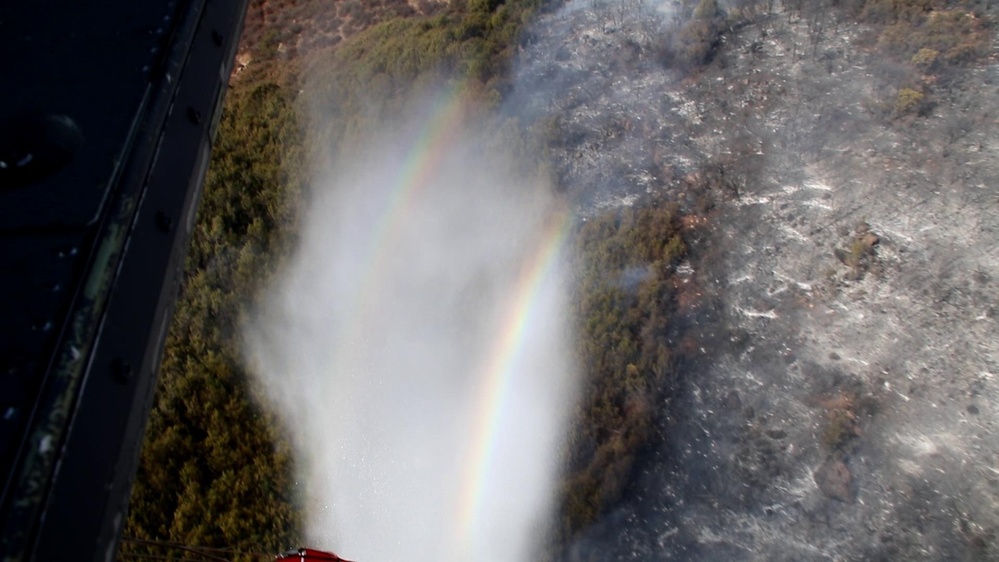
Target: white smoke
375	341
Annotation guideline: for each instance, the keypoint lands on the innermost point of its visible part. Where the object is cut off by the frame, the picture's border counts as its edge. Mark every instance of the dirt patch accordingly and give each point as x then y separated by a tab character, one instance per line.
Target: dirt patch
835	480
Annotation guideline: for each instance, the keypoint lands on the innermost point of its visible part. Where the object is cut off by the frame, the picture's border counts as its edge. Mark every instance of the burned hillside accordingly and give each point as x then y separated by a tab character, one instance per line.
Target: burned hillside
836	397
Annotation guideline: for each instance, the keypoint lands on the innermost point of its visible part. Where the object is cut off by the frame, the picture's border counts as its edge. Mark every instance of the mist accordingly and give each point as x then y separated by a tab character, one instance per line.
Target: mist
415	346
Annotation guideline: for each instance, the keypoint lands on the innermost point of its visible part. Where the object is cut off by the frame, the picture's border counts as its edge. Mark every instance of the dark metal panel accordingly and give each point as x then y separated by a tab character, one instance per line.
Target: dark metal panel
104	144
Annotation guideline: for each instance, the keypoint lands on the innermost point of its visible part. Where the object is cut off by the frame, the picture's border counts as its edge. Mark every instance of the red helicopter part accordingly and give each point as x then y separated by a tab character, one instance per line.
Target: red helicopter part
309	555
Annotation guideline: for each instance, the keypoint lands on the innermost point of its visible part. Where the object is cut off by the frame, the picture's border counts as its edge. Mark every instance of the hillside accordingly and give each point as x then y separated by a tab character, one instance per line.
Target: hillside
801	368
840	257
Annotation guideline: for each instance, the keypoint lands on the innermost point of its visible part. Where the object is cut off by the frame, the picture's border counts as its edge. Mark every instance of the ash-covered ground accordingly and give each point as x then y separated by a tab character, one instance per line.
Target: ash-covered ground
840	399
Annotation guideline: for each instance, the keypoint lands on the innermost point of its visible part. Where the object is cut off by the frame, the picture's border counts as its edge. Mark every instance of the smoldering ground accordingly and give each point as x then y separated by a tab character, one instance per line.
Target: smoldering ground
415	348
786	329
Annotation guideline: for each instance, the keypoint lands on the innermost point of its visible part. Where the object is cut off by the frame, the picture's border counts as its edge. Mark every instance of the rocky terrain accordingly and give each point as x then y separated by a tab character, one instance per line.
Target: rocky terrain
838	400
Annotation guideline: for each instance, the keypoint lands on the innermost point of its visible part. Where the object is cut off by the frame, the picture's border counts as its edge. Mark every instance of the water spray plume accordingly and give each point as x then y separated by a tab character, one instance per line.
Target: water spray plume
416	348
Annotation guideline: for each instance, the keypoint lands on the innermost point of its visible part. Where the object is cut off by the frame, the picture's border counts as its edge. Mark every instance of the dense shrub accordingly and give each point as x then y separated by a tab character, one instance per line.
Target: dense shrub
956	35
909	101
933	40
624	264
